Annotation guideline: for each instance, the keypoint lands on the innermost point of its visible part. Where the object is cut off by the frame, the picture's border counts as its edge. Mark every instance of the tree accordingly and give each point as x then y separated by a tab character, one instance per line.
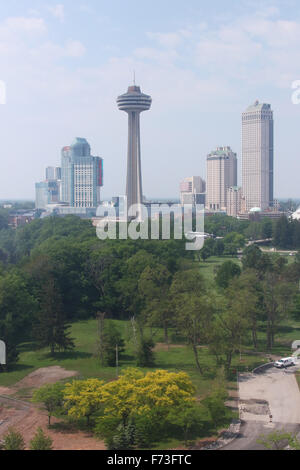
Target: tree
283	233
254	258
105	428
192	418
266	228
83	398
100	268
52	329
233	242
226	272
112	339
13	440
135	393
227	332
254	231
219	248
128	288
17	311
216	407
279	440
154	287
245	297
40	441
205	253
3	219
51	396
145	355
278	299
194	309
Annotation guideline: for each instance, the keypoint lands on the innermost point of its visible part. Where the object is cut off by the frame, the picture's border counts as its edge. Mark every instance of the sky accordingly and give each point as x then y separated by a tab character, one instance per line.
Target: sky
203	63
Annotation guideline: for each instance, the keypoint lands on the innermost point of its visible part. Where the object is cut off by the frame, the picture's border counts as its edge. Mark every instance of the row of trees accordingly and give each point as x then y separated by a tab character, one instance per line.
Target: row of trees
137	409
247	307
287	234
57	271
284	232
229	245
73	275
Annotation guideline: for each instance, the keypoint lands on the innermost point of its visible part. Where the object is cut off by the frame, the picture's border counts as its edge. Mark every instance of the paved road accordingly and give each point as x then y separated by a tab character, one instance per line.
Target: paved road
274	392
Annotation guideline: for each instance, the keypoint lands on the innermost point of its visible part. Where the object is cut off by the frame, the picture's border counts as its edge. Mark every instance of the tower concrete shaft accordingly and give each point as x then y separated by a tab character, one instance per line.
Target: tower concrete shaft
134	103
134	185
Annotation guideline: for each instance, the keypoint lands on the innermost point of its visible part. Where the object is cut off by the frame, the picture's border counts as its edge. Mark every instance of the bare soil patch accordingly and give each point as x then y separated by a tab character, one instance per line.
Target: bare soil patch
27	420
26	417
46	375
6	391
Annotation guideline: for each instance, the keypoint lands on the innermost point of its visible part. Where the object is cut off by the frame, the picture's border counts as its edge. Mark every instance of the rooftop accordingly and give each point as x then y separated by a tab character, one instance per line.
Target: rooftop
257	106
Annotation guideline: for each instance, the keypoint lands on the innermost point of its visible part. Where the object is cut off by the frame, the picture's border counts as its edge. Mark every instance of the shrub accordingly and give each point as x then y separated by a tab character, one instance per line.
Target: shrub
145	354
40	441
13	440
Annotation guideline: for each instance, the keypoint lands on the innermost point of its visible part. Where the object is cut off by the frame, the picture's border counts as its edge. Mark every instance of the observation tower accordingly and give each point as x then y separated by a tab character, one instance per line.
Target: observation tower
134	102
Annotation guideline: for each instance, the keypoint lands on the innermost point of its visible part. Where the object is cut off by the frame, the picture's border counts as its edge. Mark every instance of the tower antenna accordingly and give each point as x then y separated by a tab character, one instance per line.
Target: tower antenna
134	78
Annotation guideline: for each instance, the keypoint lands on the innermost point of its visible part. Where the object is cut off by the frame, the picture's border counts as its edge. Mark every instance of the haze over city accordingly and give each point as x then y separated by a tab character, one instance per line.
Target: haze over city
64	64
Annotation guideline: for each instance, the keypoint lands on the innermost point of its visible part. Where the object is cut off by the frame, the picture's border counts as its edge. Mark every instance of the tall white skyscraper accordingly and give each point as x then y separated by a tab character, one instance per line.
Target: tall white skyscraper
221	175
258	156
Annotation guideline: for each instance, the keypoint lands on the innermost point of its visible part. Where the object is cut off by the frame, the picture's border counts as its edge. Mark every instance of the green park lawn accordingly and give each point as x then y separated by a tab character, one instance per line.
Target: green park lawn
83	359
180	357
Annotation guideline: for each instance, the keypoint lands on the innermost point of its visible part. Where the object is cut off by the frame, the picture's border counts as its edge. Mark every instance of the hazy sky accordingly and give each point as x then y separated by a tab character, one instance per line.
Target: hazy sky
202	62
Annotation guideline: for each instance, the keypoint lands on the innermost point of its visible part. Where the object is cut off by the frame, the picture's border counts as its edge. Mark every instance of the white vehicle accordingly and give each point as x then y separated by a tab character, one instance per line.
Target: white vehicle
285	362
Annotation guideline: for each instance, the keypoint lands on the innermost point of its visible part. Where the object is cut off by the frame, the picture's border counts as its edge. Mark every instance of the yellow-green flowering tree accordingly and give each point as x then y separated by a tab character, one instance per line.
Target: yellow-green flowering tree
83	398
137	393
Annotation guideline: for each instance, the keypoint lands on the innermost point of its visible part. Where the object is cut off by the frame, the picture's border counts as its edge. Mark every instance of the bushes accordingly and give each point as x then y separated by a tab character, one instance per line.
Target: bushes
216	407
41	441
13	440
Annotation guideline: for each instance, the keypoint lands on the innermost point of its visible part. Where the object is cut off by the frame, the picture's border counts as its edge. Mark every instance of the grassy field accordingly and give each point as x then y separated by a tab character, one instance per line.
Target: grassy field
179	357
84	360
209	267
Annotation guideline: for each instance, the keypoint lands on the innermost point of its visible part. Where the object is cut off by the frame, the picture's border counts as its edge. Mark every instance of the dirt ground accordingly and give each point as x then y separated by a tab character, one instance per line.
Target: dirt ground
38	378
26	417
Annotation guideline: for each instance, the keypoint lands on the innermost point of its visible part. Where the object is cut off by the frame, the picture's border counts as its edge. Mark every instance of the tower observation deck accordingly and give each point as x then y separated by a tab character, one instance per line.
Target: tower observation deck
133	103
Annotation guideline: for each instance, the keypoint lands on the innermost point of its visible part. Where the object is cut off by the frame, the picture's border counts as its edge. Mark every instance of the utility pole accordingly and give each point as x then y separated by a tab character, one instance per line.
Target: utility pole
117	360
101	317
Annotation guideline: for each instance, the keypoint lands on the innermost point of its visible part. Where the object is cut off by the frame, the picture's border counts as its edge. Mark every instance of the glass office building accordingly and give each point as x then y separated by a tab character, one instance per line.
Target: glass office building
46	192
82	175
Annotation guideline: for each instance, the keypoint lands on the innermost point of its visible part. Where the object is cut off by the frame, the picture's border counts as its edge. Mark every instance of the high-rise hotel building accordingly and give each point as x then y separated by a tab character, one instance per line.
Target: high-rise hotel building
221	175
258	156
82	175
192	190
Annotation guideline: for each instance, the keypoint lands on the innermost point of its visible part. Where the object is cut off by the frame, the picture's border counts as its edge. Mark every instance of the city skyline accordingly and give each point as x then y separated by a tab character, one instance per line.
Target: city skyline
68	70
